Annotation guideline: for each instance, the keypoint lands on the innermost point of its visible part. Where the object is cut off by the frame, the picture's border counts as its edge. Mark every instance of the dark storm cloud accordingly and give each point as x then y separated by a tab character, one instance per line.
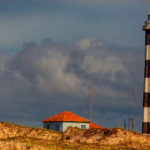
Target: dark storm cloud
51	77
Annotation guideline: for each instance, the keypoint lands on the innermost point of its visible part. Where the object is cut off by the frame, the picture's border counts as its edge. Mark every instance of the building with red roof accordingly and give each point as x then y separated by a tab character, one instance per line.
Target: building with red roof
63	120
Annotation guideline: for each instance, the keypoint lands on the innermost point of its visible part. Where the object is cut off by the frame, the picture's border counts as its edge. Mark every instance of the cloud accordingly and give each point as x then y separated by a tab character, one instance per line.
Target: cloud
84	43
54	76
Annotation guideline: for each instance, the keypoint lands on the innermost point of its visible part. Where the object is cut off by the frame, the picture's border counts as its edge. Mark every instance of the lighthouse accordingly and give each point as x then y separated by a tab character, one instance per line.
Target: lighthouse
146	97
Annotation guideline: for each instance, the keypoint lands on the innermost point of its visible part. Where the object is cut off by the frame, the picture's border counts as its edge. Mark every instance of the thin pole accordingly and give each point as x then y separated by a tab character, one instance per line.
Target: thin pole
133	99
124	123
128	123
90	97
132	124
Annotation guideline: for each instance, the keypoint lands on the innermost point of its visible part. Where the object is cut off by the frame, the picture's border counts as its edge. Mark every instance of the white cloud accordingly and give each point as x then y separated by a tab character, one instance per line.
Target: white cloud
85	43
93	64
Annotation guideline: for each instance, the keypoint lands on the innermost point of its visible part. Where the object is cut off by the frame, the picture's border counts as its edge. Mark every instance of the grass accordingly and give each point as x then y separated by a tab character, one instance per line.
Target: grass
30	143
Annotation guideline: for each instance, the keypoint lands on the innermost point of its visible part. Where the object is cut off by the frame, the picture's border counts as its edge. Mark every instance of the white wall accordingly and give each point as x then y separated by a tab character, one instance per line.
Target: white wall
74	124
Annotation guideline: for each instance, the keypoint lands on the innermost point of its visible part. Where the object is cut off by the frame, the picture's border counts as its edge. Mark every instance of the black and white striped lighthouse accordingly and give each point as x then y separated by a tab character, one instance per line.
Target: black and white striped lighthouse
146	97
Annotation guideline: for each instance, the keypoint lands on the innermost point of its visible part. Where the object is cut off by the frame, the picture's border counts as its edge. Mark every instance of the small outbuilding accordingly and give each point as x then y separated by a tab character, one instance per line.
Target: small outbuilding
63	120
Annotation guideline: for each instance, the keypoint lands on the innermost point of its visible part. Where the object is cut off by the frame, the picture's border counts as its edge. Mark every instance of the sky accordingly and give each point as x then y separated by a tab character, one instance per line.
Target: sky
50	50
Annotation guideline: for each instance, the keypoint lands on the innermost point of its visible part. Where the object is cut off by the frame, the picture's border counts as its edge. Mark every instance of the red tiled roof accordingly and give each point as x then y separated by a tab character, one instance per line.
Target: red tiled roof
93	125
66	116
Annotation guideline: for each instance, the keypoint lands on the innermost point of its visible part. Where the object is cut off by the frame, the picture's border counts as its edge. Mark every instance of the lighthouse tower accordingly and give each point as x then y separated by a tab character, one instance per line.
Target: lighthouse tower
146	98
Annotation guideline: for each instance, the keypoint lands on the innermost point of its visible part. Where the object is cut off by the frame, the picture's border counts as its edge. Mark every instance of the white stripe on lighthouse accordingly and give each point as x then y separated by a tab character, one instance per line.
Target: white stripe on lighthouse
147	52
146	114
147	85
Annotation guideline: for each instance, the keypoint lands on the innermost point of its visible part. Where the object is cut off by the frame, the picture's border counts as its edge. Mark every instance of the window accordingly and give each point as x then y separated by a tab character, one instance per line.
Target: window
57	127
83	126
47	126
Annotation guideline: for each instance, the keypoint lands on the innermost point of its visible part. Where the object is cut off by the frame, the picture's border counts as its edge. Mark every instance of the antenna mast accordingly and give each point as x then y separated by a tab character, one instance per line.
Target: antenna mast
90	98
133	99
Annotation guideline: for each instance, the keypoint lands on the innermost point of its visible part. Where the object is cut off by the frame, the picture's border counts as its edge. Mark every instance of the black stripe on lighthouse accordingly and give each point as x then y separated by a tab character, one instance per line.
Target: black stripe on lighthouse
146	128
147	68
146	102
147	37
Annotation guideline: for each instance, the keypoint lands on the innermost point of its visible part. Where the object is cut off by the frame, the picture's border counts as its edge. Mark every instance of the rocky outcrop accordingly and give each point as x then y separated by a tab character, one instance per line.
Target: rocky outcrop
108	137
93	135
